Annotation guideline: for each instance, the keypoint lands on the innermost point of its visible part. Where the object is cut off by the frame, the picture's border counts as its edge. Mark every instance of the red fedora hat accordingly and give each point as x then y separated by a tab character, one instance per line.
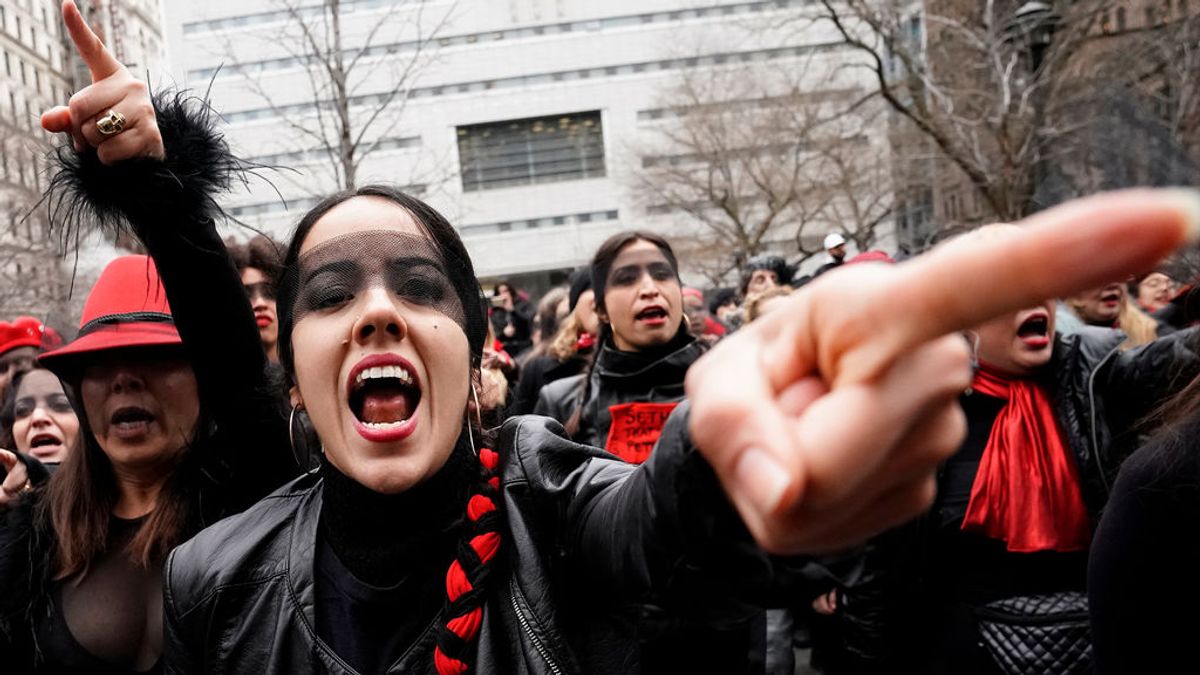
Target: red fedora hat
126	308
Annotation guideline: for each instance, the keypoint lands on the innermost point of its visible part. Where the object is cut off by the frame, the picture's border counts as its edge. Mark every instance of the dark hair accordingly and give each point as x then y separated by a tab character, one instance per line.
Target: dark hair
261	253
772	263
480	530
547	316
512	289
8	413
7	410
721	297
602	263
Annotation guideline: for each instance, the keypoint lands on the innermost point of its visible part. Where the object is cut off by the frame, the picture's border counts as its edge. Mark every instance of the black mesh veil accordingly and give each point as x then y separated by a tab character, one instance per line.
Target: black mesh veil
412	267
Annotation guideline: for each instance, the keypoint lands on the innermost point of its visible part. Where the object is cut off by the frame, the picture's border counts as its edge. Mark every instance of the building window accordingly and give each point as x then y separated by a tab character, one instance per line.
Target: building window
531	151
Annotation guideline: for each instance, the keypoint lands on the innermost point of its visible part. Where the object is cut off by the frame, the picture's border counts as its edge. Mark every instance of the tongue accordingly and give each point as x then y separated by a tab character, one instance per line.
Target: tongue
385	405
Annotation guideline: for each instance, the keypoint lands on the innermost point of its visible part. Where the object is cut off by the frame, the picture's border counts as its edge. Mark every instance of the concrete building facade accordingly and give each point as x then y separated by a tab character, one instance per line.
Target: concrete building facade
524	126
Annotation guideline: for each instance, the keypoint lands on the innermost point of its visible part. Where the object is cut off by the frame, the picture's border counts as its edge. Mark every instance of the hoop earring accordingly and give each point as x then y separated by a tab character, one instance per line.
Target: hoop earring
478	417
306	466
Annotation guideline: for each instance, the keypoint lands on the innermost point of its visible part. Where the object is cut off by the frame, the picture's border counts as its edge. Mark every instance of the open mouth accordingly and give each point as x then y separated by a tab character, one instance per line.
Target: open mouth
131	421
384	393
43	443
652	315
1034	331
1111	298
1034	326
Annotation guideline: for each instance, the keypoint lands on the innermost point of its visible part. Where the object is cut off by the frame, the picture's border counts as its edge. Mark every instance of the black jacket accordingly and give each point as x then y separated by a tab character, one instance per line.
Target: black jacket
587	538
243	451
620	377
1099	394
538	372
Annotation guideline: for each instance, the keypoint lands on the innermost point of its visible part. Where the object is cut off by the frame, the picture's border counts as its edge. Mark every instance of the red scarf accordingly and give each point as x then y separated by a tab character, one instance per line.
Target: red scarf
1026	492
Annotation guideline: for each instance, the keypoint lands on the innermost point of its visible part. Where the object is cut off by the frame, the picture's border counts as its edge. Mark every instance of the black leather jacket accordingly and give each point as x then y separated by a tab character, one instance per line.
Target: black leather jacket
587	536
1100	393
620	377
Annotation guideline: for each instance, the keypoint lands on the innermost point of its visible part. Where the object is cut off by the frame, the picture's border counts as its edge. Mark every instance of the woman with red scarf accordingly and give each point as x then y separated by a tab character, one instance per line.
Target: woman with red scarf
992	579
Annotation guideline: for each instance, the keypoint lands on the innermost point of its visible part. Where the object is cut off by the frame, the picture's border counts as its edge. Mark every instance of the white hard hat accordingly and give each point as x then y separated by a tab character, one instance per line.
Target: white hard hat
833	240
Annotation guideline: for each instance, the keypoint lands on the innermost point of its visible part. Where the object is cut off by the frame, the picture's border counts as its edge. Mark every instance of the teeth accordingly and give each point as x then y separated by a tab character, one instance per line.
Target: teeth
383	425
382	372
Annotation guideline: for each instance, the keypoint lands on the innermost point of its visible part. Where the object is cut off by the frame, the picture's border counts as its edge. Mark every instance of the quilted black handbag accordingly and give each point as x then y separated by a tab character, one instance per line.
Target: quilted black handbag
1038	634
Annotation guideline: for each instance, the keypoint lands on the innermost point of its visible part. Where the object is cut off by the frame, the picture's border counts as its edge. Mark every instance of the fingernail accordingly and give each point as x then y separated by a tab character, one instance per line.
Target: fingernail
761	478
1188	201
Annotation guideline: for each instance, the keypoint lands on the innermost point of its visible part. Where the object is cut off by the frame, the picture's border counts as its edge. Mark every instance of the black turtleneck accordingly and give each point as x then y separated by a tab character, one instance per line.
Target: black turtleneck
381	560
616	360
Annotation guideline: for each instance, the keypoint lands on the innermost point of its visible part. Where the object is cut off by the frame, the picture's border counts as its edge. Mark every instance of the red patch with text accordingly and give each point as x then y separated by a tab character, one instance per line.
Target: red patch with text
635	429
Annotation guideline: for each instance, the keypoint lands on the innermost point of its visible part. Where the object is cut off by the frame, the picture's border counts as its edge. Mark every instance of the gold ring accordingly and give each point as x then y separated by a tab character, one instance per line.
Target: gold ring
111	124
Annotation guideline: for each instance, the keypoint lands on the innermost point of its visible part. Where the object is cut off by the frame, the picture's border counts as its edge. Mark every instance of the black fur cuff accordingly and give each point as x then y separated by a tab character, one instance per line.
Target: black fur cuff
84	194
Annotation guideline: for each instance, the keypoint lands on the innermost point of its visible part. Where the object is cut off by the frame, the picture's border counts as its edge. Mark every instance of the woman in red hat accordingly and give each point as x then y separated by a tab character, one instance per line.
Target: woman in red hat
416	548
20	343
179	427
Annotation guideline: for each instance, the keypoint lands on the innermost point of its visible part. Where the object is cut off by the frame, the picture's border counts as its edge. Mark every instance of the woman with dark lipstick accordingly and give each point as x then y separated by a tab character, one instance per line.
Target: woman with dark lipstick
258	263
424	545
644	350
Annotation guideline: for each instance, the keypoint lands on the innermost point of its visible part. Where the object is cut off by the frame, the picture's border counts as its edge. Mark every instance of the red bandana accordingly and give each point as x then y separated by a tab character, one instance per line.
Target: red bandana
1026	492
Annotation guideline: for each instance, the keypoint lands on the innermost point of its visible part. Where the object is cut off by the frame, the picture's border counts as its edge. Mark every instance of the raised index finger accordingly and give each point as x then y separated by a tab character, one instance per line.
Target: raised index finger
1058	252
91	49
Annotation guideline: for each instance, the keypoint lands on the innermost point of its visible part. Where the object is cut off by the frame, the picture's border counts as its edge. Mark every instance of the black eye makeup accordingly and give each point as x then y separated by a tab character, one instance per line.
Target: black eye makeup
23	407
410	267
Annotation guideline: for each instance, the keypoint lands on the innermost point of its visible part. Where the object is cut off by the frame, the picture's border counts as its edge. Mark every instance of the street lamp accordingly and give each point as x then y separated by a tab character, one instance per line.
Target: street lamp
1034	24
1031	30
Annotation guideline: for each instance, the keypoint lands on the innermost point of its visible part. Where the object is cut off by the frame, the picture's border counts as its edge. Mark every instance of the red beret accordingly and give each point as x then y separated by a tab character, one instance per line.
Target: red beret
25	331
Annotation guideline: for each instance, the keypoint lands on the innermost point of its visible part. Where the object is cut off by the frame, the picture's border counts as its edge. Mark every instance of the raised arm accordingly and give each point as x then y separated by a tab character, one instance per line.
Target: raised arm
154	166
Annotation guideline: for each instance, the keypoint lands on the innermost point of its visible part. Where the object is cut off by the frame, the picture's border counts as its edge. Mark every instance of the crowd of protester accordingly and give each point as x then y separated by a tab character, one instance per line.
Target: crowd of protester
339	454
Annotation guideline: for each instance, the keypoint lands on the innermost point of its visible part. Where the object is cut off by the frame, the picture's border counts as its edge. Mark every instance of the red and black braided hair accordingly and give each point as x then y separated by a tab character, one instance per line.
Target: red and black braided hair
467	578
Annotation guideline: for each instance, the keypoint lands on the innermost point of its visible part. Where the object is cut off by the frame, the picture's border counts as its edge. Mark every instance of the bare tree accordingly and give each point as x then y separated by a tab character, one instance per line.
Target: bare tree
1010	100
359	84
749	158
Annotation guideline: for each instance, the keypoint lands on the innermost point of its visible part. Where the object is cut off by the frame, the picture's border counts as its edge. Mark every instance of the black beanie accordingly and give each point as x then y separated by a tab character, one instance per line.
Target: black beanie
580	281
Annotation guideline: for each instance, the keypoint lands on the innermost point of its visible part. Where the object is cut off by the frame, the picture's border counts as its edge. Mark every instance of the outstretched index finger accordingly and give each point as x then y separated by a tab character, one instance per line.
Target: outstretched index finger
849	325
91	49
7	459
1053	254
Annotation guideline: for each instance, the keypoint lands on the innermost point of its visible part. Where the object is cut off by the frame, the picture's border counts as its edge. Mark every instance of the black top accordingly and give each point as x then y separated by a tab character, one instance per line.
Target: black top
111	620
381	563
975	569
368	626
537	373
1143	580
521	320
